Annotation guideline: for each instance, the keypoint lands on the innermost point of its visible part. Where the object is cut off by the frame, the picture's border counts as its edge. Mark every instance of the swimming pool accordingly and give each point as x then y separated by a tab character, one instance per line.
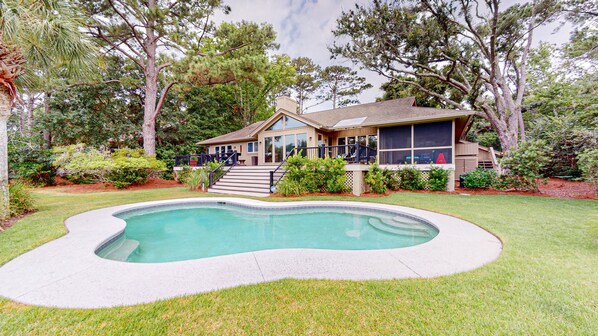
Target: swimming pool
68	273
194	231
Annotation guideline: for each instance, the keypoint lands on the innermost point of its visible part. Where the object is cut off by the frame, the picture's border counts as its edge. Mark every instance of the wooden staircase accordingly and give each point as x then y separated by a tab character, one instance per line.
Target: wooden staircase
246	180
485	165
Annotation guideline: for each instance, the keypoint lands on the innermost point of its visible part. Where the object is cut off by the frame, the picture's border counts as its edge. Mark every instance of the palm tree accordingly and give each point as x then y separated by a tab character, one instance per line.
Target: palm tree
11	67
37	38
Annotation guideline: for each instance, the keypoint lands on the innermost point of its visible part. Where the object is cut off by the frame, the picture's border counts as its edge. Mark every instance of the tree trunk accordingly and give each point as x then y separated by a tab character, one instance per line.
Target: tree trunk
47	134
5	106
151	87
22	113
149	110
30	108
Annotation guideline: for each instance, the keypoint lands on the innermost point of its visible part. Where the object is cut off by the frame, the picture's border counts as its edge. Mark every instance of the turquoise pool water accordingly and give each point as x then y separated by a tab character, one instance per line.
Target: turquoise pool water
206	230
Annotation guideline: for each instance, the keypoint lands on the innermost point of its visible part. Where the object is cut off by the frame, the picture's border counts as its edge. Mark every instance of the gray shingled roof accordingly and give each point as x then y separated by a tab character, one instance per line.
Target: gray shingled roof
389	112
244	134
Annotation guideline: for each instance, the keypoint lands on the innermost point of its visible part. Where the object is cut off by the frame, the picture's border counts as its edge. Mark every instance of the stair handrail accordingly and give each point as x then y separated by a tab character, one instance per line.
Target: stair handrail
272	172
223	163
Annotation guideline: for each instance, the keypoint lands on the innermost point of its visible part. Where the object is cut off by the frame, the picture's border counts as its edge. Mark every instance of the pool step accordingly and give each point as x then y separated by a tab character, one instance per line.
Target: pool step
379	225
122	251
406	224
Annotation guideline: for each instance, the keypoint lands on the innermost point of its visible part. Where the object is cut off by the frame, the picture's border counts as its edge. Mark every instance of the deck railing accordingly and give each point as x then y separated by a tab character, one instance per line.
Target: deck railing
198	160
354	153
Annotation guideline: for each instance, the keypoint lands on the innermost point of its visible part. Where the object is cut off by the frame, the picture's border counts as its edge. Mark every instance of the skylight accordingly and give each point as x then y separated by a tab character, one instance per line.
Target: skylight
350	122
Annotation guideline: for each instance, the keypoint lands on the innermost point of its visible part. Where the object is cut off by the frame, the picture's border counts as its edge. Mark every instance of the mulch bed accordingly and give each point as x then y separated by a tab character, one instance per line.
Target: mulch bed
553	188
69	187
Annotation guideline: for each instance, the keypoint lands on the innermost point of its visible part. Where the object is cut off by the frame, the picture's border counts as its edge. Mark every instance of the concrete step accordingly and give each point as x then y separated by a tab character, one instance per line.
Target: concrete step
265	189
254	167
252	184
238	192
243	179
243	175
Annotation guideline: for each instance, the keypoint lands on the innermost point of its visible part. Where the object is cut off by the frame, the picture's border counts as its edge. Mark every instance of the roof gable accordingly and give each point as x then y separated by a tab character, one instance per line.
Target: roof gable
279	114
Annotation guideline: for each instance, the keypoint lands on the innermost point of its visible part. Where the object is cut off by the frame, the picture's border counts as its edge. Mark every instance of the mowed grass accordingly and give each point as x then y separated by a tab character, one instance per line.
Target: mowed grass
544	283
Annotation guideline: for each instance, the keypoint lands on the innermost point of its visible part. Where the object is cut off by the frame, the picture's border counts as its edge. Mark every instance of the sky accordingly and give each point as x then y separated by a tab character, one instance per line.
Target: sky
304	28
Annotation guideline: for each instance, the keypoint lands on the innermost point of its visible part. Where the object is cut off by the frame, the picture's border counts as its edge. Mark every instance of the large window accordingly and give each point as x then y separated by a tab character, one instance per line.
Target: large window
285	122
276	148
268	149
429	143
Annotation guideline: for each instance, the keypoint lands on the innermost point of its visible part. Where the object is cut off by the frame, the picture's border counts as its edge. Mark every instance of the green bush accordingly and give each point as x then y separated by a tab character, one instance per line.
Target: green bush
197	178
334	175
131	166
122	168
183	174
81	164
524	165
438	178
314	175
376	179
287	187
20	199
479	179
392	179
124	177
588	164
411	178
566	137
33	166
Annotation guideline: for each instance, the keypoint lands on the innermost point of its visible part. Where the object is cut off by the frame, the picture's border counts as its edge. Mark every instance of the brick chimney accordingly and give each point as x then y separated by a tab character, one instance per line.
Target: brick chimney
286	103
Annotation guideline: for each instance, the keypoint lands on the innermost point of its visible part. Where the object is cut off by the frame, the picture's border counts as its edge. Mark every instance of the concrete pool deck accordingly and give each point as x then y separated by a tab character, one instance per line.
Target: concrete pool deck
67	273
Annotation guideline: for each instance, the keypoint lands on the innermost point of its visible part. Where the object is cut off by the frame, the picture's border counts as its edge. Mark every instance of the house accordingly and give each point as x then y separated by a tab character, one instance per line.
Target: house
392	133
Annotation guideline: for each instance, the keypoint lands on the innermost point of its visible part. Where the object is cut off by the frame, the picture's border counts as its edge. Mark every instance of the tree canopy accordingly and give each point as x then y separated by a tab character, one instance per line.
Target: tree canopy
479	49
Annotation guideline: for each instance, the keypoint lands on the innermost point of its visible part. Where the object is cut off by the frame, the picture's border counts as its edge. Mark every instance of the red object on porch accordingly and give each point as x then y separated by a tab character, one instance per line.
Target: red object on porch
440	159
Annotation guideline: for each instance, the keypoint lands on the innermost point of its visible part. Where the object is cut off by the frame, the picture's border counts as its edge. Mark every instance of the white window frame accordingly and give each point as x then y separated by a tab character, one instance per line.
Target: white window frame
254	148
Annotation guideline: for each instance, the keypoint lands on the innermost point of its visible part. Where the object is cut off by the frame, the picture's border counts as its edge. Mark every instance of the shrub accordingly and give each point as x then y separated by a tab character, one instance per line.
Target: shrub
438	178
411	178
479	179
20	199
288	187
122	168
183	174
588	164
566	137
131	166
524	165
198	178
81	164
376	179
392	179
334	175
33	166
315	175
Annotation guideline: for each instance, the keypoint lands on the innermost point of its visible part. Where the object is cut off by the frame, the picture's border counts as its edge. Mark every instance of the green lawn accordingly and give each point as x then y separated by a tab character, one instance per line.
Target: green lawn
545	282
